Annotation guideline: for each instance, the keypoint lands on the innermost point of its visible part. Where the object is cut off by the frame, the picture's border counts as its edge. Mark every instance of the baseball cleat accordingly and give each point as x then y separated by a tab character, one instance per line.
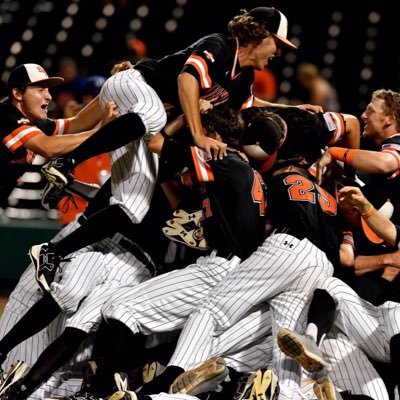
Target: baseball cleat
324	389
301	348
151	370
15	373
205	378
186	228
59	171
46	262
265	386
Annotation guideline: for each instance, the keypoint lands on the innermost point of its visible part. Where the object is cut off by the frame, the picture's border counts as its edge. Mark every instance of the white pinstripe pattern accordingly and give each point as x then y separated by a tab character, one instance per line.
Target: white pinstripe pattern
368	326
133	95
164	303
350	367
133	176
24	295
283	271
134	167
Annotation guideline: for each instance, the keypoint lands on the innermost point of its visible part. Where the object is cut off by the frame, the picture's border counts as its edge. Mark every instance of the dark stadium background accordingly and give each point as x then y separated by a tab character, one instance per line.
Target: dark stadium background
365	42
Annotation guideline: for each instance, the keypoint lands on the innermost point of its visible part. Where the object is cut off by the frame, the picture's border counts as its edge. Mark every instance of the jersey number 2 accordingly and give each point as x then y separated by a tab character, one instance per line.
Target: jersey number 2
302	189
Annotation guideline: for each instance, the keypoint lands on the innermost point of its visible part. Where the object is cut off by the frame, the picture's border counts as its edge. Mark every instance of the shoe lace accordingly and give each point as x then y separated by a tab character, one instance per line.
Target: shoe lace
68	199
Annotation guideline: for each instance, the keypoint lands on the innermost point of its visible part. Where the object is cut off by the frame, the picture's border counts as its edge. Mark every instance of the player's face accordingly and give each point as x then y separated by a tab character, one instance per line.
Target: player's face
34	103
374	120
265	51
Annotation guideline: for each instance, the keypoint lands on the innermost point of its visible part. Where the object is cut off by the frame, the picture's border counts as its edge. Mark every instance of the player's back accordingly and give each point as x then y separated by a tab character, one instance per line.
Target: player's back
234	206
300	207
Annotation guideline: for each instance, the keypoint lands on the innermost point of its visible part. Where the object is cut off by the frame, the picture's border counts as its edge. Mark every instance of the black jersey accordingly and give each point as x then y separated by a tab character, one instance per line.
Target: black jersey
213	61
386	186
300	207
308	132
233	198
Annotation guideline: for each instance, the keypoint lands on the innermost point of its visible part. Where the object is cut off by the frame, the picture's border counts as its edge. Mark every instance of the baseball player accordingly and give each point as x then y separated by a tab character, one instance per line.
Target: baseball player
216	67
27	131
233	201
382	126
283	271
307	133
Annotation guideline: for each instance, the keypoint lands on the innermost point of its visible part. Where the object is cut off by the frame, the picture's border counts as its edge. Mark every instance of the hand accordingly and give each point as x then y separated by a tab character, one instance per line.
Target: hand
217	148
311	107
109	113
354	196
121	67
205	105
325	160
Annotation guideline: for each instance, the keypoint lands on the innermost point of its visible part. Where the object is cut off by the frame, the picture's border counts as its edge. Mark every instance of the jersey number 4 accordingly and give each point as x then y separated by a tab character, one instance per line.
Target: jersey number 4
302	189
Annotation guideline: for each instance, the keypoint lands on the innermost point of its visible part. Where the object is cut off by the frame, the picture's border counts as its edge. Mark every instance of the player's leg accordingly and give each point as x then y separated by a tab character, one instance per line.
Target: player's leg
350	368
361	321
140	113
304	348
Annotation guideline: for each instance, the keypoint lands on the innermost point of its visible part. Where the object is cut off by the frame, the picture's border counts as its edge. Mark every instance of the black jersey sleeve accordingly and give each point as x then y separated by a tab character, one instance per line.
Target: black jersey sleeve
207	60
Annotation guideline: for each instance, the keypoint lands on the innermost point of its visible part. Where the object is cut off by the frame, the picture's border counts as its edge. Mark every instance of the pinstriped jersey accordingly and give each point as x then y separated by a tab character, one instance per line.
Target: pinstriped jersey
300	207
233	197
213	61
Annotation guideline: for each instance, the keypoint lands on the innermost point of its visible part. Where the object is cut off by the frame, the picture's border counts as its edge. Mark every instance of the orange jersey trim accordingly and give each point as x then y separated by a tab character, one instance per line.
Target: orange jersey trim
202	69
203	170
19	136
248	103
62	126
338	122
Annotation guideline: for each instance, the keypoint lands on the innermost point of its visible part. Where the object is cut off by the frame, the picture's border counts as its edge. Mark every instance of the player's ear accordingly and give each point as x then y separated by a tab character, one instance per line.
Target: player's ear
17	93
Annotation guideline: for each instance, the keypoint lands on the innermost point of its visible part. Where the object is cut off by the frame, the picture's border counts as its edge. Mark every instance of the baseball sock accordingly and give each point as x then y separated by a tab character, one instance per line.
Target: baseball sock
111	136
33	321
104	223
116	348
162	382
54	356
321	314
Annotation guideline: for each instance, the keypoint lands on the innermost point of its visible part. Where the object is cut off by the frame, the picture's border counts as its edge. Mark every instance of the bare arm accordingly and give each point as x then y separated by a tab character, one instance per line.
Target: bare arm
381	225
57	145
87	118
189	96
54	146
364	264
309	107
353	132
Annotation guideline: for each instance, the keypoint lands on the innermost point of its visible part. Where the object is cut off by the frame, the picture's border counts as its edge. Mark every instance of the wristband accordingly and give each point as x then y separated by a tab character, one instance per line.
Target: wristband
371	210
342	154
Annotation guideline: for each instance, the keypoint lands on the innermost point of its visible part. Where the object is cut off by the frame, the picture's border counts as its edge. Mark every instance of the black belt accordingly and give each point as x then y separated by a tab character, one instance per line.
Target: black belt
139	253
289	231
82	219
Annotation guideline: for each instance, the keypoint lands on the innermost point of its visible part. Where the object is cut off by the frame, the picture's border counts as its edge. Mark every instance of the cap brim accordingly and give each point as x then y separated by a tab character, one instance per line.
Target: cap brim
369	233
285	42
49	82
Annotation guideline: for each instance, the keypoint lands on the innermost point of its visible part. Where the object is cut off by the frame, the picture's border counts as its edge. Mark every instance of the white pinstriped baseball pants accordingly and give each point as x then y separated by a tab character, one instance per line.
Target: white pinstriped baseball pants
283	272
369	327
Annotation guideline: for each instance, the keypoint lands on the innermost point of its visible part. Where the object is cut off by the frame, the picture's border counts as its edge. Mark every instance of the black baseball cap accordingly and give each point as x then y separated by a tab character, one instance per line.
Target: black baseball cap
29	75
274	22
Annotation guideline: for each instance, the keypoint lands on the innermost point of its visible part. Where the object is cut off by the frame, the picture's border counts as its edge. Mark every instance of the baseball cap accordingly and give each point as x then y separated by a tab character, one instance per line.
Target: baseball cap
31	74
274	22
261	140
93	84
